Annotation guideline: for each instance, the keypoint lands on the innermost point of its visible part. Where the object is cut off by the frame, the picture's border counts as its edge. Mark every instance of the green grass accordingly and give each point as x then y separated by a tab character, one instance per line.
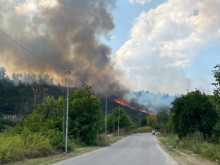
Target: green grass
57	157
78	151
203	148
195	143
170	144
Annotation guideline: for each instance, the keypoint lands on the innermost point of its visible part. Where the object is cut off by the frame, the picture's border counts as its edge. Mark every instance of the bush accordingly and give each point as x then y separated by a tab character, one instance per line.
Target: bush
193	112
16	147
12	148
55	136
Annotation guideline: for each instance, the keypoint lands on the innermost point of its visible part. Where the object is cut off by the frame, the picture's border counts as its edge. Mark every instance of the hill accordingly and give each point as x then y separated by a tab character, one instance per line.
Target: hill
18	101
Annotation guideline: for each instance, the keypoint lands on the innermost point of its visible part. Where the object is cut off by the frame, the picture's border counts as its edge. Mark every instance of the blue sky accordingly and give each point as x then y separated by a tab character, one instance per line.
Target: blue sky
196	36
124	15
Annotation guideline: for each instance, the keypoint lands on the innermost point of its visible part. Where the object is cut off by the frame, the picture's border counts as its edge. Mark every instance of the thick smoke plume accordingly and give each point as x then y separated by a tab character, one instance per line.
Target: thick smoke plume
60	34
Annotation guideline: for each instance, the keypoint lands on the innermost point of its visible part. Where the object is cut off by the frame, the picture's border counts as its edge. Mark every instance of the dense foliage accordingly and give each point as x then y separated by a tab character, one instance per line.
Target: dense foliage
47	120
216	96
17	145
21	99
124	121
85	115
216	99
193	112
42	133
14	99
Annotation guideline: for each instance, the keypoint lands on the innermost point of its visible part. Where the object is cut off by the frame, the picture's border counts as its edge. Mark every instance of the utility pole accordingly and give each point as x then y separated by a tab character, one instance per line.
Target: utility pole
67	108
118	121
139	122
105	119
64	117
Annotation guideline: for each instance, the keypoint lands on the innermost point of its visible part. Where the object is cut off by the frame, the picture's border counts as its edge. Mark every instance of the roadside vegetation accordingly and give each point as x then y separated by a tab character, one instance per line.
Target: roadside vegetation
42	133
192	123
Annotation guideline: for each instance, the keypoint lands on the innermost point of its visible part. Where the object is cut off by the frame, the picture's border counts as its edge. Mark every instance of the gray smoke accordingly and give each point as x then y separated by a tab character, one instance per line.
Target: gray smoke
153	101
60	36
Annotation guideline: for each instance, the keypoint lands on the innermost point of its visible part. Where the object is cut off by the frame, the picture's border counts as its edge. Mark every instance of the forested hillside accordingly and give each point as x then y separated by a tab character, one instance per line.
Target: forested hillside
21	99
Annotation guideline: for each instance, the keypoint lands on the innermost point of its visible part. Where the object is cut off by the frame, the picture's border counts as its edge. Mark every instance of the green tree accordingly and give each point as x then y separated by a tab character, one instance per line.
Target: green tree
162	118
47	120
216	96
193	112
152	121
124	121
144	122
48	114
216	99
85	115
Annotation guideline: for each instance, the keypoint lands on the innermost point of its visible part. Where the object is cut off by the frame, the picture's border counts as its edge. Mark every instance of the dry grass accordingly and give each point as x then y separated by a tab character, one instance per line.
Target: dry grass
182	156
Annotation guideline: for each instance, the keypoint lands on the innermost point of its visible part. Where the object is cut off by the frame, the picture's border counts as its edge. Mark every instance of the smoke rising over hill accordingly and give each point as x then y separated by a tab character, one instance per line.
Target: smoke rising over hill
153	101
60	34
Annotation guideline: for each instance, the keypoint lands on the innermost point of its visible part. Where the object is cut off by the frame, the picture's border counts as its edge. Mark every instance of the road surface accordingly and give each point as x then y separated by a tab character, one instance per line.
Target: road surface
137	149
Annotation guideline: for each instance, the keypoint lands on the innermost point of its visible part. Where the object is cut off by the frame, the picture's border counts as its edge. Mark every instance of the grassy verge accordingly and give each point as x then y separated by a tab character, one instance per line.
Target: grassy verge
62	156
81	149
190	151
56	158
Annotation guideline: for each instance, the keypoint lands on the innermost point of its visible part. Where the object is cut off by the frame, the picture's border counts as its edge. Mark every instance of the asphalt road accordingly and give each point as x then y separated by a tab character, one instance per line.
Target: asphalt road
137	149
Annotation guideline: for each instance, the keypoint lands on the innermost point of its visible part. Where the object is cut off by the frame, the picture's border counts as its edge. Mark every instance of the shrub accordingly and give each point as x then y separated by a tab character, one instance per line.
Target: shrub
18	146
12	148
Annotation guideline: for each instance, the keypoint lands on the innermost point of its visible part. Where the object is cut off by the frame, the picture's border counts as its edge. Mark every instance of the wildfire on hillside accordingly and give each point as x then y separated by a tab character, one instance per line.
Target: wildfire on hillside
133	108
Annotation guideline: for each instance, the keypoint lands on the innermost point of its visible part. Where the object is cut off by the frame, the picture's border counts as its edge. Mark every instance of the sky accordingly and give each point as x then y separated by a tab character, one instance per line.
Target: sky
167	46
162	46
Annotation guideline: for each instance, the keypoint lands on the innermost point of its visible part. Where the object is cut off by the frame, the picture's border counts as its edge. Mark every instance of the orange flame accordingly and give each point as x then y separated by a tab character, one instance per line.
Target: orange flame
45	89
133	108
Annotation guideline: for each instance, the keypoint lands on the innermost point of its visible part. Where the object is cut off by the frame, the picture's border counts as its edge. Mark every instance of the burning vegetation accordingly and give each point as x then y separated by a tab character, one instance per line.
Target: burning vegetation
133	108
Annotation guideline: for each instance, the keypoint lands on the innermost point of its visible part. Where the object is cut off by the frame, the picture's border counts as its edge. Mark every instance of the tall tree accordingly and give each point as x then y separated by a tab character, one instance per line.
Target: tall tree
193	112
216	96
152	121
85	114
216	99
113	120
162	118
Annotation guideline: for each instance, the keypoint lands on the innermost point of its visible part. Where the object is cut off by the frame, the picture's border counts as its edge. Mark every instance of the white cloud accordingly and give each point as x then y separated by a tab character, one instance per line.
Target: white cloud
142	2
166	39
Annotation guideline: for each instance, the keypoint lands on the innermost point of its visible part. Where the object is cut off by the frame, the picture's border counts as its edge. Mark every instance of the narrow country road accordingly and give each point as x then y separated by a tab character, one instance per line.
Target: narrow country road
137	149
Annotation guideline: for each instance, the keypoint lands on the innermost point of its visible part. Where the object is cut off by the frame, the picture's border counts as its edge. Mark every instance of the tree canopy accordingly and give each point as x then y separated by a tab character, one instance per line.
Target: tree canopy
113	120
193	112
85	115
216	96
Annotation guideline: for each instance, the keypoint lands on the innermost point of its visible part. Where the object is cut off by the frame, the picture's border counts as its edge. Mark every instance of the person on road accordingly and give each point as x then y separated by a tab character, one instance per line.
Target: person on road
153	133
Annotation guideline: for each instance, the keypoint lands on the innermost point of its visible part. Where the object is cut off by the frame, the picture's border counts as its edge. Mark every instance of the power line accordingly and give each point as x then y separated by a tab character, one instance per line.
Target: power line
21	46
6	36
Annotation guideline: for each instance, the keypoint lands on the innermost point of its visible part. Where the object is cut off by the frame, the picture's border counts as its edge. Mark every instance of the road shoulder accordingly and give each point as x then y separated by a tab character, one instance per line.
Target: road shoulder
184	157
169	159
